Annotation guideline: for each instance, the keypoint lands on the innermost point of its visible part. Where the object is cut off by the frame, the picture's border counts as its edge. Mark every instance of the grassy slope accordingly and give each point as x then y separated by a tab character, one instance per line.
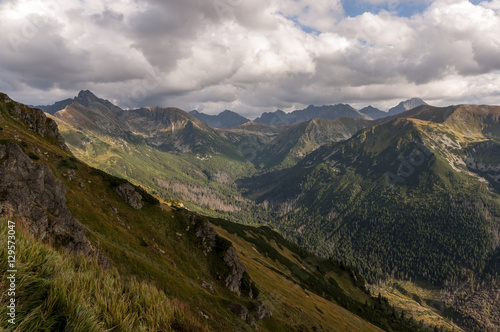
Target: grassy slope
423	301
59	292
282	282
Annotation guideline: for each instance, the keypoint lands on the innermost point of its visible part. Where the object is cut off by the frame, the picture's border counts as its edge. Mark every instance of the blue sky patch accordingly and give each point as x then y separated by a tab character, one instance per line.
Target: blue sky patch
355	8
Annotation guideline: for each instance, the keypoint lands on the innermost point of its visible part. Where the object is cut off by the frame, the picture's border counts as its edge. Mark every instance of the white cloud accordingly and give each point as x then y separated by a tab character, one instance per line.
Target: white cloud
247	56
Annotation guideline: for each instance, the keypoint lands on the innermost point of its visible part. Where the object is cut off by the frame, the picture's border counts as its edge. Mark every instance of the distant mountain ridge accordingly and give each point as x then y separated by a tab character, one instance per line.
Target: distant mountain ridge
229	119
167	129
296	141
223	120
330	112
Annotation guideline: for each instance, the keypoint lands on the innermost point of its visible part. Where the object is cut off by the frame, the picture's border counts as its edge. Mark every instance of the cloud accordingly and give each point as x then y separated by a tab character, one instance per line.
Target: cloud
250	57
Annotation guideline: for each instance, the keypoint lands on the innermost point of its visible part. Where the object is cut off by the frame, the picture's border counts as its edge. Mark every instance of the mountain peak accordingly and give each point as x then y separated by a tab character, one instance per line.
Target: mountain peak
407	105
86	94
223	120
373	112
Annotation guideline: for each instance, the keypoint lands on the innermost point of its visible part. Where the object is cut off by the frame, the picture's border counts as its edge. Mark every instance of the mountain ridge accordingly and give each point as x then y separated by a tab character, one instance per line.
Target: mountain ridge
228	119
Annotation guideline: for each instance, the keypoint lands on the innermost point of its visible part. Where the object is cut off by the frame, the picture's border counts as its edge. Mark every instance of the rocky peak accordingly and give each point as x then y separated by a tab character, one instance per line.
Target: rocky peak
86	95
406	105
103	106
87	99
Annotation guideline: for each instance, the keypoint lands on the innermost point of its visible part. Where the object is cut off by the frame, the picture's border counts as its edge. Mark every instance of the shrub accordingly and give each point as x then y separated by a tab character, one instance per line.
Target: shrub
69	163
33	156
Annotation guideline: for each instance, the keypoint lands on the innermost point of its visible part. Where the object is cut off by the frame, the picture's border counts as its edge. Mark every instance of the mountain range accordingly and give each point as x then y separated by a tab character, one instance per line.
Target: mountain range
410	199
229	119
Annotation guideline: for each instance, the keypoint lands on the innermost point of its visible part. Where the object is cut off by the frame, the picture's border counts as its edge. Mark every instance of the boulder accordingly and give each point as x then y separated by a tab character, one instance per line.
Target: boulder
242	312
127	192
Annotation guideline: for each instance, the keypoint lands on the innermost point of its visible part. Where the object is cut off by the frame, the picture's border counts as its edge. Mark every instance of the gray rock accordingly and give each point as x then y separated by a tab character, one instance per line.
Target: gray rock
70	174
263	311
127	192
242	312
30	193
207	285
207	235
233	280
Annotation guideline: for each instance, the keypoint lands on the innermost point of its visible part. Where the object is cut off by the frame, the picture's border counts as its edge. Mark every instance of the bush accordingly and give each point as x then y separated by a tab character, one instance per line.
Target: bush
112	180
69	163
33	156
147	197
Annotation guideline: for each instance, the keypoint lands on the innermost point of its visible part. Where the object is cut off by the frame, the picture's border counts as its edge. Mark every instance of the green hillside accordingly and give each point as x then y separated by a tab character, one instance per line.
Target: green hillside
296	142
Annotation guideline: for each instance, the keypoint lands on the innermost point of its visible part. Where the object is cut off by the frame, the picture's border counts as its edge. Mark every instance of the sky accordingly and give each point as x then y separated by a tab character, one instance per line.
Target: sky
251	56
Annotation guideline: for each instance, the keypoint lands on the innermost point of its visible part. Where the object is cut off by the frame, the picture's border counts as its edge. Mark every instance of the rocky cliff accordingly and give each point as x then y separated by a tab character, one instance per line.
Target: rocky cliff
30	193
35	120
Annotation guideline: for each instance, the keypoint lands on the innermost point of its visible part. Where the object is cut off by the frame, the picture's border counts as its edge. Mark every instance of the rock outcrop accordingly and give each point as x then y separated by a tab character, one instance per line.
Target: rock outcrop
35	119
30	194
263	311
242	312
236	279
127	192
207	235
